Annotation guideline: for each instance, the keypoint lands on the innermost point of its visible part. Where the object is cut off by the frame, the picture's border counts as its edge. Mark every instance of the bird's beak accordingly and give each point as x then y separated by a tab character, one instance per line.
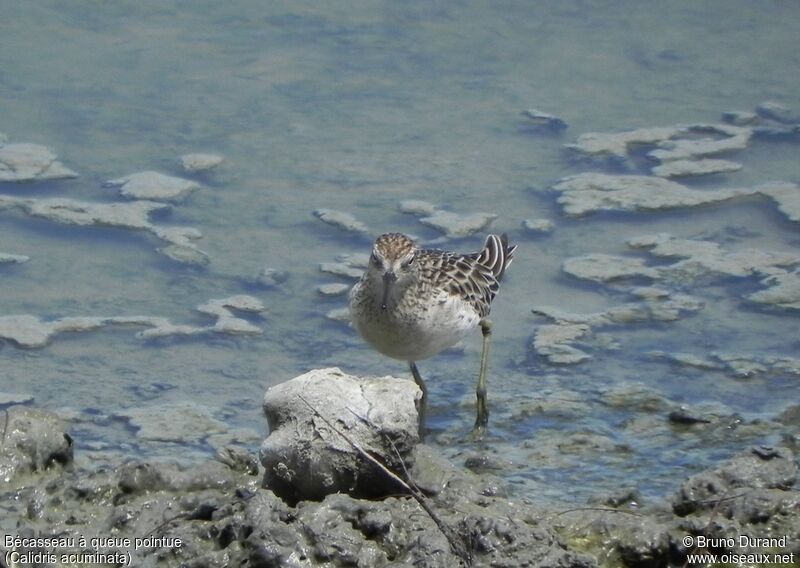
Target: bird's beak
389	278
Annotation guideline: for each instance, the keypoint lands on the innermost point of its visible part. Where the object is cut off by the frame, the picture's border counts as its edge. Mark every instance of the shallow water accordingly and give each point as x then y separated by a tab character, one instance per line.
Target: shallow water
356	107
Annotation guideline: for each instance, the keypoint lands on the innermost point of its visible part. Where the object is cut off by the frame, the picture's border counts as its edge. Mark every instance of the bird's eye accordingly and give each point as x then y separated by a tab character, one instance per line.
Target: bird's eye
375	260
409	261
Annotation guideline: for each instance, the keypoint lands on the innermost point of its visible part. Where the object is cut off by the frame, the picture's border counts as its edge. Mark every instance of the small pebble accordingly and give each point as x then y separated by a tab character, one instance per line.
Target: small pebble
544	119
339	314
200	162
684	415
538	225
416	207
272	277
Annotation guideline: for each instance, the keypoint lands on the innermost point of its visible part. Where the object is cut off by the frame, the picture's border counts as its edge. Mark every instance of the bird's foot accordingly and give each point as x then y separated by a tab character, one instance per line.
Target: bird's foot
477	434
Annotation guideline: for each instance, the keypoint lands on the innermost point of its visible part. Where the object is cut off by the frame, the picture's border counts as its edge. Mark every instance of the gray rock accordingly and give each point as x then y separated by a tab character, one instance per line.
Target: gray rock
200	162
354	259
341	220
30	162
333	289
185	422
144	477
753	494
551	403
687	416
740	118
154	186
757	468
686	359
544	120
135	215
783	290
707	257
272	277
628	497
682	168
6	258
634	396
722	138
778	132
592	192
614	145
32	440
416	207
341	315
540	226
790	416
606	267
224	518
341	269
305	458
698	259
633	541
786	195
777	112
555	343
454	225
31	332
689	142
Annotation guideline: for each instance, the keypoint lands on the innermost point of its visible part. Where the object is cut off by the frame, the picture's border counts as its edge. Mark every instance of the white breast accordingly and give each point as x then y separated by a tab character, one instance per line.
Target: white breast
412	333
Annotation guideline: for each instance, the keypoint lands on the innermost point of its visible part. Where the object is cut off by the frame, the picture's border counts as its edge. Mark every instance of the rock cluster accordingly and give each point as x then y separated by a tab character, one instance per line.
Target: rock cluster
25	162
30	331
232	512
452	225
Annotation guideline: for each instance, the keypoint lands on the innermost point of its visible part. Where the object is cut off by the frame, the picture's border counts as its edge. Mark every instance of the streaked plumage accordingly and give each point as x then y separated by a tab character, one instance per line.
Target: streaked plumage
412	303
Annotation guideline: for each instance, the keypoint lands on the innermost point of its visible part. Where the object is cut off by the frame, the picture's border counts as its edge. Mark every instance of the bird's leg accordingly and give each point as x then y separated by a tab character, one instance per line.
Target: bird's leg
482	414
423	403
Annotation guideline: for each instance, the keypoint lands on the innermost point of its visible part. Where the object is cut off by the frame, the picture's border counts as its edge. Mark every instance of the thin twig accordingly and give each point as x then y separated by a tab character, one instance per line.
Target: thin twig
604	509
456	544
721	500
356	445
453	538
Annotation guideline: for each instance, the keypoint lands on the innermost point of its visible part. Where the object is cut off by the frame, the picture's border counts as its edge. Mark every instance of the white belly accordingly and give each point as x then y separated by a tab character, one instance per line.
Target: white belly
412	335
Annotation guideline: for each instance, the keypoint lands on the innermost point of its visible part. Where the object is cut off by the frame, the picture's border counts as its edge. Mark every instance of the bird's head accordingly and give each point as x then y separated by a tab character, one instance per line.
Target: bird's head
393	262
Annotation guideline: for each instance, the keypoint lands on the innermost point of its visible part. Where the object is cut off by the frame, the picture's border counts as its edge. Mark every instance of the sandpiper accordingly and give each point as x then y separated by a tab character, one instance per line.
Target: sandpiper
412	303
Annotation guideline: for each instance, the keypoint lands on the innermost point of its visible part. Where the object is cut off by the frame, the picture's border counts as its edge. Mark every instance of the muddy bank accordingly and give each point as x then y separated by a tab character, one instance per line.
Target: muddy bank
218	513
234	511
